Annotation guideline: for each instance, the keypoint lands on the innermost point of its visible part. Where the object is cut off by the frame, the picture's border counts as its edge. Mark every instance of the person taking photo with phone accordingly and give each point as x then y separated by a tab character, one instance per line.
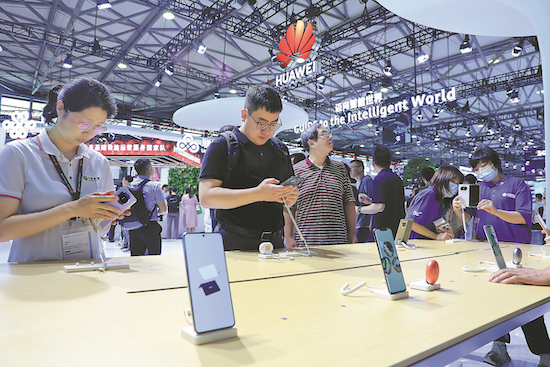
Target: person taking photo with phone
430	204
505	203
53	184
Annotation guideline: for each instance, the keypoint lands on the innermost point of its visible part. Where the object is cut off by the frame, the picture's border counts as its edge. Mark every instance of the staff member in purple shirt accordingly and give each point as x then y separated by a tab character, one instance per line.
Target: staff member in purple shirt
429	204
505	203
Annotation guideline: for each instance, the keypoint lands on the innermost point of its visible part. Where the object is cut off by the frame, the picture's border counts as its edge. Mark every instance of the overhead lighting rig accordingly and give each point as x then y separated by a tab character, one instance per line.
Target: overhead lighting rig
466	46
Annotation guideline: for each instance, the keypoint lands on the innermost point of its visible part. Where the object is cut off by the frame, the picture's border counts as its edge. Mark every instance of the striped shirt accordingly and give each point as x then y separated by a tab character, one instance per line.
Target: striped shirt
320	211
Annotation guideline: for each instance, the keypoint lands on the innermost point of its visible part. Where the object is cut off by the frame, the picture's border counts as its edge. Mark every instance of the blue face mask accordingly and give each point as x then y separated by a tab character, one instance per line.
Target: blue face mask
487	175
453	190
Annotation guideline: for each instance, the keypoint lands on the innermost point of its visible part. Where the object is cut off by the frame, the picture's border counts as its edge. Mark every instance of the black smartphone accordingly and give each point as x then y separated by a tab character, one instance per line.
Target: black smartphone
208	282
492	238
542	223
293	180
469	194
390	261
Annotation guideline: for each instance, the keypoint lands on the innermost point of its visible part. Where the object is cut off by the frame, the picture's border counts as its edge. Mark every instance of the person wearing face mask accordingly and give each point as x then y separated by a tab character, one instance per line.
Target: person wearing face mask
504	200
505	203
430	204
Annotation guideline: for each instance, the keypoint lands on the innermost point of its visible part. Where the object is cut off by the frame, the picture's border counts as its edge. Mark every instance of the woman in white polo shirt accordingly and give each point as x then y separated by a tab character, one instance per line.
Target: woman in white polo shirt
52	184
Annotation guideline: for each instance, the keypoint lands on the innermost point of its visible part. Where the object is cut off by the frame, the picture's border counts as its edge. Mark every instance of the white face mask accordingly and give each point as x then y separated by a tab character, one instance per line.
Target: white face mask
453	190
488	174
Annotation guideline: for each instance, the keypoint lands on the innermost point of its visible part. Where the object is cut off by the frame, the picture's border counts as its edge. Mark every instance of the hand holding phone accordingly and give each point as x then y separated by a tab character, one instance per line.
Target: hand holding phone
293	180
124	202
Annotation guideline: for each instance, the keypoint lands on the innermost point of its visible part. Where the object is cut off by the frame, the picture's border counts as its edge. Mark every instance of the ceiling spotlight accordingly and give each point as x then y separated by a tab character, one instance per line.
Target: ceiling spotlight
466	46
201	48
96	47
169	69
273	57
321	77
1	49
68	63
122	65
513	95
320	87
517	50
103	4
384	89
419	116
517	127
388	70
216	95
168	15
541	91
300	60
159	81
421	56
233	91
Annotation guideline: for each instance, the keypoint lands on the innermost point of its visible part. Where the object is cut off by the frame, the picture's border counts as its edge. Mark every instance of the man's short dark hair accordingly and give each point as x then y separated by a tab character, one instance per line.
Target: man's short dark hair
427	173
471	179
309	133
262	96
381	156
486	155
358	161
128	178
538	196
141	166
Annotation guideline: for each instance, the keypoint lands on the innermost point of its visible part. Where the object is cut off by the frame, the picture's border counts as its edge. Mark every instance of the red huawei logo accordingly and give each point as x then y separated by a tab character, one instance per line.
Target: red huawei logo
297	45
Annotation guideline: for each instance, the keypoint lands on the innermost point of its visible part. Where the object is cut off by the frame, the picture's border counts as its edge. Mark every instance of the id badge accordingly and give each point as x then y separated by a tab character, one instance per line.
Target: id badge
77	241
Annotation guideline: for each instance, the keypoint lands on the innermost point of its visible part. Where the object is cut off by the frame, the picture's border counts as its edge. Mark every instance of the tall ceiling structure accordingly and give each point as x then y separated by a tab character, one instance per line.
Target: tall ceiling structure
498	92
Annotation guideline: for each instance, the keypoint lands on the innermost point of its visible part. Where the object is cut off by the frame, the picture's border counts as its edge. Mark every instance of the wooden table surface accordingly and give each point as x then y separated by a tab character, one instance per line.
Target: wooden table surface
287	312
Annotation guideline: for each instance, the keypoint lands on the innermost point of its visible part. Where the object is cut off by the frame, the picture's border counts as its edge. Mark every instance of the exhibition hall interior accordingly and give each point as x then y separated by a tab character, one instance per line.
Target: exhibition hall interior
437	83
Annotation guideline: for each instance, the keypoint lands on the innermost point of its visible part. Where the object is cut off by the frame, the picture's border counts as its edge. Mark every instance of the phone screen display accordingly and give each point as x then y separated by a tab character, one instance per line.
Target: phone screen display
492	238
293	180
390	261
208	281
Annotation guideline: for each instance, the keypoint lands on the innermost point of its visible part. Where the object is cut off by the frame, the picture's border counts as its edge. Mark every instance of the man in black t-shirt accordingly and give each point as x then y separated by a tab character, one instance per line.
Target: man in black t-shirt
250	203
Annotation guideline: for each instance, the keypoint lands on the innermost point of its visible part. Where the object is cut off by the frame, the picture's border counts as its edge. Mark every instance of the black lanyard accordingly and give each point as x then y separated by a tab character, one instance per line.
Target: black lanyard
75	195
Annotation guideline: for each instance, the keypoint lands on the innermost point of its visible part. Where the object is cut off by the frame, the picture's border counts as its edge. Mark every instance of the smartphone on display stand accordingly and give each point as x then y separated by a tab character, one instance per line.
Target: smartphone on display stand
124	202
469	194
403	231
390	261
492	238
208	282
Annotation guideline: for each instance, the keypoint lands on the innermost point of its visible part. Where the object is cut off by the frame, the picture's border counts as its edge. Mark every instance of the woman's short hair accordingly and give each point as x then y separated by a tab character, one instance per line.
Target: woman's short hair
486	155
79	94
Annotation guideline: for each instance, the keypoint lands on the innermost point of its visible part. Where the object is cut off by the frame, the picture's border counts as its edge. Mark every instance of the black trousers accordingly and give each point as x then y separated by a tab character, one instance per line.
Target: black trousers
232	241
146	238
536	336
362	234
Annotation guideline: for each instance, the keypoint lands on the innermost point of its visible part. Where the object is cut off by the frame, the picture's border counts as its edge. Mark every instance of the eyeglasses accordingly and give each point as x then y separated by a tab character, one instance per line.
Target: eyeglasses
263	125
325	134
85	126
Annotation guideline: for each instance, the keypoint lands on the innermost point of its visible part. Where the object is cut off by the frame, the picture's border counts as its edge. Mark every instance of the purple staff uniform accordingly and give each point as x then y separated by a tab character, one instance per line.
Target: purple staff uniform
424	209
388	189
511	194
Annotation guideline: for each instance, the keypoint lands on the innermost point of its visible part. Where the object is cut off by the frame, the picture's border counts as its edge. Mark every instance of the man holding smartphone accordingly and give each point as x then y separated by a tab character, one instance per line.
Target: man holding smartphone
250	201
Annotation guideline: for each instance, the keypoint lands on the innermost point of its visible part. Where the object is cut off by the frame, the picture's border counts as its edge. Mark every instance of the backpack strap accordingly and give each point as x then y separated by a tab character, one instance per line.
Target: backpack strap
232	152
140	189
279	145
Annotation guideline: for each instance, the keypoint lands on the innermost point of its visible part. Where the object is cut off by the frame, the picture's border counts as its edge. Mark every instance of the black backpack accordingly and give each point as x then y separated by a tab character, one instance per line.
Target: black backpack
138	211
173	203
